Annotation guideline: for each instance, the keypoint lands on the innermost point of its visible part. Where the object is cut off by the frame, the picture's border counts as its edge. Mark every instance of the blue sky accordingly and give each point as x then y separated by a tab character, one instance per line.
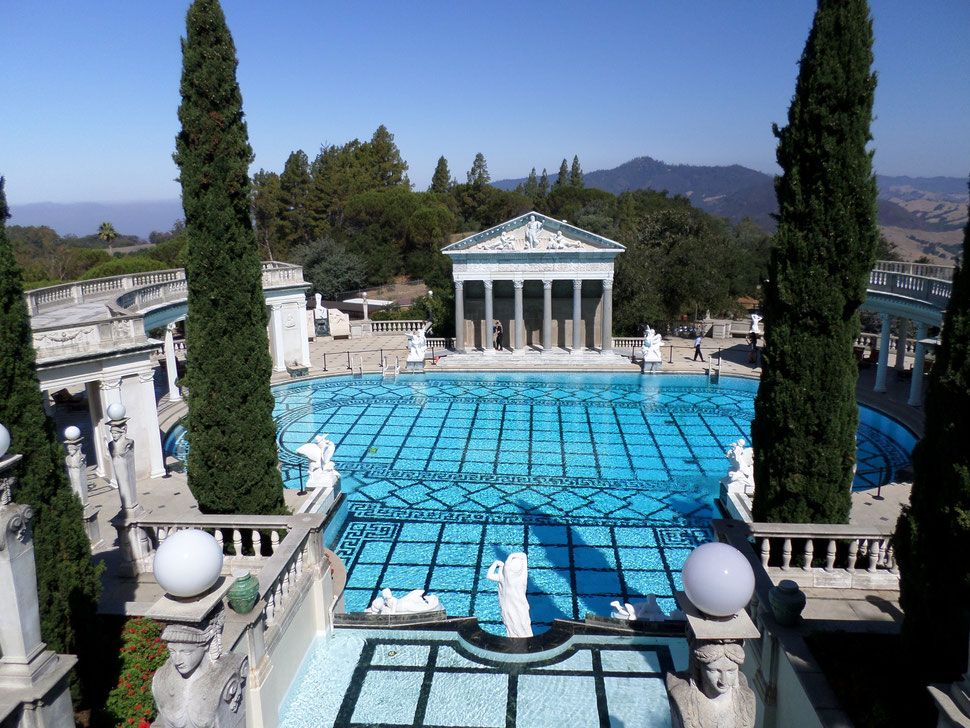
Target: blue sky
90	89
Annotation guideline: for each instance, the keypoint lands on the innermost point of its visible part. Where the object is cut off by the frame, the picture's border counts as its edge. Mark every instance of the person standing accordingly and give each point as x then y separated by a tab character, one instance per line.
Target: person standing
697	348
498	335
495	335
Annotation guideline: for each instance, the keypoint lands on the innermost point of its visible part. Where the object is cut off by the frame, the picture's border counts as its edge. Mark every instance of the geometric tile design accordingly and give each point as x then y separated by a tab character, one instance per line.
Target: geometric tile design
379	682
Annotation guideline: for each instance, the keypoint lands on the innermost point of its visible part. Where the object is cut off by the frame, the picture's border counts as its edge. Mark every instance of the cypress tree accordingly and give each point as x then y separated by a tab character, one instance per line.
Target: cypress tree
232	463
576	173
806	415
543	184
441	180
933	532
68	582
563	179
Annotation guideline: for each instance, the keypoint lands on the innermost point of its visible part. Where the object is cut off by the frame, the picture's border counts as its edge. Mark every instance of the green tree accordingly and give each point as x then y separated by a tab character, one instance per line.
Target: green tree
576	173
531	187
232	463
478	174
389	167
330	267
295	228
543	190
268	207
107	233
806	415
441	180
934	588
563	179
68	582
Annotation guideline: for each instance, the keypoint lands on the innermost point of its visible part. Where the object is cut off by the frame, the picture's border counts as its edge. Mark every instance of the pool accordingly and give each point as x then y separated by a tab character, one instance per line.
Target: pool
606	481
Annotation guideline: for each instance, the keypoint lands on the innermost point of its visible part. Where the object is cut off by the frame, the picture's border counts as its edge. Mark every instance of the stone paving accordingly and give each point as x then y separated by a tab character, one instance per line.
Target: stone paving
877	611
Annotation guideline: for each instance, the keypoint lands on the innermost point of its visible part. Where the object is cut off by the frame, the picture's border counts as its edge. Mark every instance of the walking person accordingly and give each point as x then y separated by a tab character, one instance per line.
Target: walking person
495	335
498	335
697	348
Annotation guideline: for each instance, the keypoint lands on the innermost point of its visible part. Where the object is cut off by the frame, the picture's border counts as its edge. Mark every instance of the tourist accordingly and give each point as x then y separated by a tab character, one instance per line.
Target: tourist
498	335
495	328
697	348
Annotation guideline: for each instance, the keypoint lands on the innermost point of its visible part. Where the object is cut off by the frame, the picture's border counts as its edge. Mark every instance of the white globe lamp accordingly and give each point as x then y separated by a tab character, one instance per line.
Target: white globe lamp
188	563
4	440
718	579
72	432
116	411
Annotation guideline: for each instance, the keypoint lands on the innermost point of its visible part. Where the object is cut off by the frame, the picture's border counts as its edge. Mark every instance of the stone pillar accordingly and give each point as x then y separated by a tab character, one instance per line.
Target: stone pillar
916	384
33	679
302	323
77	474
146	411
276	337
109	394
460	316
901	336
489	319
519	321
607	347
883	354
546	314
364	297
171	364
577	316
122	449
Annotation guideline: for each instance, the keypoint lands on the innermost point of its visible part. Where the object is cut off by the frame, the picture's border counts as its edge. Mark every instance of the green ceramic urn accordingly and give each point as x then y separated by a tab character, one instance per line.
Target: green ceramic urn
244	592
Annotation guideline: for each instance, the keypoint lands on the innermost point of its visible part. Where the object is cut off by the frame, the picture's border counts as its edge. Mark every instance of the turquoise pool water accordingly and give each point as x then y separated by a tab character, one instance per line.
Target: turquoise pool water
606	481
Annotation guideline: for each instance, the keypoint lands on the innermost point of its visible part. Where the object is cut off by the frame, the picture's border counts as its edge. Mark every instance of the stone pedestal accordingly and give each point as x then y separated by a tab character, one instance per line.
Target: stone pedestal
132	540
91	526
416	367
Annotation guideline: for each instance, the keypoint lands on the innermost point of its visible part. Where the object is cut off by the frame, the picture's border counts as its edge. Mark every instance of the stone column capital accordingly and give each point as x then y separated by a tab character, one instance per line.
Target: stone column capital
459	285
488	285
108	384
577	284
517	283
547	283
277	307
607	284
146	376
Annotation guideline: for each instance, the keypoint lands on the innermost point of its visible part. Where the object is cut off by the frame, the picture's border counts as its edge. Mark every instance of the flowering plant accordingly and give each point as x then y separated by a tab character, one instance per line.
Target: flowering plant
130	703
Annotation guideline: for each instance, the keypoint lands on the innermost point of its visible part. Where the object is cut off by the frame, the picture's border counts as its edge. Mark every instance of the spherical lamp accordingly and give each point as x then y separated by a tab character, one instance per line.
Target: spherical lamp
188	563
718	579
72	433
116	411
4	440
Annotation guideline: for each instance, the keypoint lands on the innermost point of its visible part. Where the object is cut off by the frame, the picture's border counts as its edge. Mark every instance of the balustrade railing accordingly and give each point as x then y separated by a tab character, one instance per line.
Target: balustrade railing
927	290
824	555
941	272
386	328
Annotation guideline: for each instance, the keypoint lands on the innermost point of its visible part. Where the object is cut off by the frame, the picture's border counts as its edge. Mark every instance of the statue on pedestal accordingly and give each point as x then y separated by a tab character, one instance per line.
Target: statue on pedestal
199	686
76	463
417	345
714	693
740	476
512	577
650	351
414	602
321	470
122	451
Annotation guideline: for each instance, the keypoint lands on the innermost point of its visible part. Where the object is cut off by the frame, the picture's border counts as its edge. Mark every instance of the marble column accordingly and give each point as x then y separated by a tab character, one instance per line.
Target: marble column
607	347
916	385
276	322
146	410
546	314
171	364
577	316
883	364
460	316
489	319
901	335
304	334
519	320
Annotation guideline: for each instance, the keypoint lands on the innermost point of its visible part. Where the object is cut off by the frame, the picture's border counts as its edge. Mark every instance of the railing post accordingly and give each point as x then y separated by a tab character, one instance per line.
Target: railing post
324	361
349	365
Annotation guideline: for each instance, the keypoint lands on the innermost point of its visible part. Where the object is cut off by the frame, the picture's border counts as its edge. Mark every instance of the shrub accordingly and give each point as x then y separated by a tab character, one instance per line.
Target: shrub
130	702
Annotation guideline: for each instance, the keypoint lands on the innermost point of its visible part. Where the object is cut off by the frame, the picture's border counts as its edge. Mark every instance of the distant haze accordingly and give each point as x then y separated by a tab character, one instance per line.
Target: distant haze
84	218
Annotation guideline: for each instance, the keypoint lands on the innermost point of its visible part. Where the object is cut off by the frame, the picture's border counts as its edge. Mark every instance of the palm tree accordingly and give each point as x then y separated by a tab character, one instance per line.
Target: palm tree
108	233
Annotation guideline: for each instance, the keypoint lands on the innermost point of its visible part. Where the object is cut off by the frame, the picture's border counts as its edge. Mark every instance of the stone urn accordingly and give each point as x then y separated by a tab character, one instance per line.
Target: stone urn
244	592
787	602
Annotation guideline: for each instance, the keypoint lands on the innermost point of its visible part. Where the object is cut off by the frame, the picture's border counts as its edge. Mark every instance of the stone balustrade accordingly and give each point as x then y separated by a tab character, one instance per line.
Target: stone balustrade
932	291
871	342
941	272
389	328
824	555
440	342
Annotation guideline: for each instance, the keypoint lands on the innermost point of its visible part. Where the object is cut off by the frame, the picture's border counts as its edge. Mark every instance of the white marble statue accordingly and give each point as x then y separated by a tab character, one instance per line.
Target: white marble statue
512	578
740	476
651	347
557	243
339	322
122	451
319	453
76	462
755	325
414	602
417	345
714	693
532	231
647	610
199	686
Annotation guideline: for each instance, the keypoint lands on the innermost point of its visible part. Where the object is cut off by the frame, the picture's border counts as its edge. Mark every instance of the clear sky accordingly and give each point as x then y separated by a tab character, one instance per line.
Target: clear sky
90	88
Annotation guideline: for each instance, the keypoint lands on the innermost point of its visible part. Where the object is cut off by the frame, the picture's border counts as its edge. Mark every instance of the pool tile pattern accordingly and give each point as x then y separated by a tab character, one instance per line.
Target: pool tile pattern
356	679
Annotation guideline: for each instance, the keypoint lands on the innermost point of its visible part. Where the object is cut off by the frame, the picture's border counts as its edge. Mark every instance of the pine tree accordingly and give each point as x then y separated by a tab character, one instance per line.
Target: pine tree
544	184
295	182
563	179
933	533
806	415
267	208
576	173
441	180
68	582
232	463
389	167
478	174
531	187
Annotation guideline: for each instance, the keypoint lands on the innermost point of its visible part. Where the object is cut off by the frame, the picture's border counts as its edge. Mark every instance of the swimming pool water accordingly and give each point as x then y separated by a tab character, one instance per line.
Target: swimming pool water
606	481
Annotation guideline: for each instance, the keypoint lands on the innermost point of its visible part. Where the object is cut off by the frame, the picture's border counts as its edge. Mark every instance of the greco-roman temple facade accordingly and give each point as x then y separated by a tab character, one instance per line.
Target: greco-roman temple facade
548	283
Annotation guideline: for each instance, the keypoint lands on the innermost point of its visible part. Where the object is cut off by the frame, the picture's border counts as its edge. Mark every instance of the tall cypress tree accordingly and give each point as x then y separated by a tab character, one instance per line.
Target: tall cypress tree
933	533
68	582
805	412
232	464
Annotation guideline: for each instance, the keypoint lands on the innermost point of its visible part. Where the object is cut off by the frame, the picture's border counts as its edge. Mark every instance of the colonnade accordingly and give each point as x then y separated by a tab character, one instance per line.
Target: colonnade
919	356
518	333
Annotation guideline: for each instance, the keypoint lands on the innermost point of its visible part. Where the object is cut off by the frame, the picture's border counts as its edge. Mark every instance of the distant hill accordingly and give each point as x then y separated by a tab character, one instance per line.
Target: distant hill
84	218
922	215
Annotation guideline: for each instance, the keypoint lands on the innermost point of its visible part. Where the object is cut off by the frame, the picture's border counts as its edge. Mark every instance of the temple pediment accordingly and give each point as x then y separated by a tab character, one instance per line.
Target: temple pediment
533	233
